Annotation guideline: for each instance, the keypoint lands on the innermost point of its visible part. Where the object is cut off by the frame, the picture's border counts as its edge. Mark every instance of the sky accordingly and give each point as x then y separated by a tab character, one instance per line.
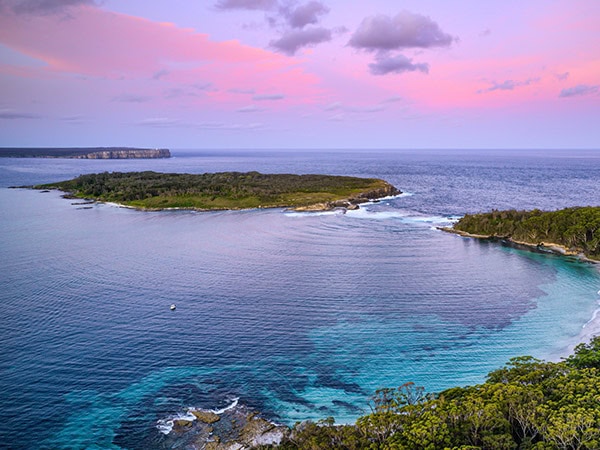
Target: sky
286	74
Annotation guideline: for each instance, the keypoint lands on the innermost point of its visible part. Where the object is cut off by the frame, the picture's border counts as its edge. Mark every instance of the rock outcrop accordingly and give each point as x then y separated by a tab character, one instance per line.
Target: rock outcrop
236	428
206	416
352	203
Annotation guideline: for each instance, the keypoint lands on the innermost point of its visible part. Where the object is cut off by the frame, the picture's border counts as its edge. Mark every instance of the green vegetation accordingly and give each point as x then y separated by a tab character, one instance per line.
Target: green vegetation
528	404
577	229
227	190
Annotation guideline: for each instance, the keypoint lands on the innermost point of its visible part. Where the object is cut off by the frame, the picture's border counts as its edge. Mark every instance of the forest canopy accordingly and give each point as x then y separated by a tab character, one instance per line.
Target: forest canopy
577	229
528	404
225	190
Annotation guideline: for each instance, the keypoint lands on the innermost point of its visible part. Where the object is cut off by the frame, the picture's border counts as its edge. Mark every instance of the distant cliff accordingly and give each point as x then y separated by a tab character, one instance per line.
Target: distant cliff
125	153
86	153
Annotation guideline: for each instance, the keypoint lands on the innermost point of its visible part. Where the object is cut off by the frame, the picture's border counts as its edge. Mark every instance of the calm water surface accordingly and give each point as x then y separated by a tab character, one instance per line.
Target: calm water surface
301	316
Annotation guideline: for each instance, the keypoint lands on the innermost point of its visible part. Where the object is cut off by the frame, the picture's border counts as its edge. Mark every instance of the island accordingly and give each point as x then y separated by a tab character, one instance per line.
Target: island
86	152
225	190
570	231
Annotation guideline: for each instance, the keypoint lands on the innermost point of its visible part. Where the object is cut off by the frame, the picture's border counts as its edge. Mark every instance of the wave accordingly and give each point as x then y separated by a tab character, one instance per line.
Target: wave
391	197
335	212
227	408
593	319
402	215
165	426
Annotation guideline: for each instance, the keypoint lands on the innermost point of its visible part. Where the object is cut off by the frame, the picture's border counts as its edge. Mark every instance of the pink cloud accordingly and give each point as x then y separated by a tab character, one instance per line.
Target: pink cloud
99	43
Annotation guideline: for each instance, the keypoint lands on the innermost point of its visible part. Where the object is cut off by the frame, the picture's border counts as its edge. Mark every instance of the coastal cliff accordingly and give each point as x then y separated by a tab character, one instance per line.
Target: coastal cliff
125	153
86	153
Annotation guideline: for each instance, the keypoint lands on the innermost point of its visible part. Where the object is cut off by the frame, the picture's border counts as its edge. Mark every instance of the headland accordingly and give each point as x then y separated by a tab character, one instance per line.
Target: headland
85	152
571	231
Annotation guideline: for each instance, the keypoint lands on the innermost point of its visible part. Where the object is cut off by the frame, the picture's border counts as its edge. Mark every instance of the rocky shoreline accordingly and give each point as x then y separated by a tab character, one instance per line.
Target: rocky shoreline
233	428
541	247
352	203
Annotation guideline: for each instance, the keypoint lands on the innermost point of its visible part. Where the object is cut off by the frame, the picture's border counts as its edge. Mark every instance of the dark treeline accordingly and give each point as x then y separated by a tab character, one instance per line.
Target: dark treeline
575	228
528	404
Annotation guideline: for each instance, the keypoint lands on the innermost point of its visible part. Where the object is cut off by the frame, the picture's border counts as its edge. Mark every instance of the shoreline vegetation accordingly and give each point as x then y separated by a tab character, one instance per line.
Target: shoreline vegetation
153	191
527	404
85	152
569	232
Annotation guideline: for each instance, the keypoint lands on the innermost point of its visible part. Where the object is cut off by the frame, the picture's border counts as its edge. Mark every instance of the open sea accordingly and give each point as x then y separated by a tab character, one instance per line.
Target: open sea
298	315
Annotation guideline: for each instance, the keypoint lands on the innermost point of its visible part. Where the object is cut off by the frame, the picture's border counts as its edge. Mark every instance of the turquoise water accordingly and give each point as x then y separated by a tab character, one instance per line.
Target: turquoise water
301	316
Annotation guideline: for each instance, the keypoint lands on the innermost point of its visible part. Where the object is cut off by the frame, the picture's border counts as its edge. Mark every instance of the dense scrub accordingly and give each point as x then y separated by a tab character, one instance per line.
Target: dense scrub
574	228
528	404
217	190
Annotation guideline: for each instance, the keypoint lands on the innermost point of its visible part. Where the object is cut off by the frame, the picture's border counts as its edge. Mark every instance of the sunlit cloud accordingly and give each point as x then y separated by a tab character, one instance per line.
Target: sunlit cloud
579	90
122	47
335	106
386	63
405	30
562	76
249	109
268	97
203	86
42	7
160	74
393	99
108	49
298	16
382	34
10	114
242	91
73	120
161	122
264	5
131	98
508	85
295	39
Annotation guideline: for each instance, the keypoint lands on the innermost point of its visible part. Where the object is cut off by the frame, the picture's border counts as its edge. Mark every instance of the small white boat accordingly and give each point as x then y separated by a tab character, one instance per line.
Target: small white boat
173	306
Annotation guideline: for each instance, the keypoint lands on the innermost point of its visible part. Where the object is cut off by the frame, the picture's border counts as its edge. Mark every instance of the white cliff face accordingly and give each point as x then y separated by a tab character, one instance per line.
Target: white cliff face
85	152
126	153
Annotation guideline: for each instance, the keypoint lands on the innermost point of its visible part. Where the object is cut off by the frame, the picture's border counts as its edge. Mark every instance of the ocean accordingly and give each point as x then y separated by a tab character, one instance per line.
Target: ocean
297	315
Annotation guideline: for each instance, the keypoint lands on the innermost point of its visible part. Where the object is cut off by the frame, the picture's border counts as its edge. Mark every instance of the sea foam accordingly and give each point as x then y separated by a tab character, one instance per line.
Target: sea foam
165	426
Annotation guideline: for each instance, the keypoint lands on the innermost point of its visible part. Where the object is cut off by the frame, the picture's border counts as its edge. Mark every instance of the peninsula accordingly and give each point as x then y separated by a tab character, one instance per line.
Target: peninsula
86	153
571	231
226	190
